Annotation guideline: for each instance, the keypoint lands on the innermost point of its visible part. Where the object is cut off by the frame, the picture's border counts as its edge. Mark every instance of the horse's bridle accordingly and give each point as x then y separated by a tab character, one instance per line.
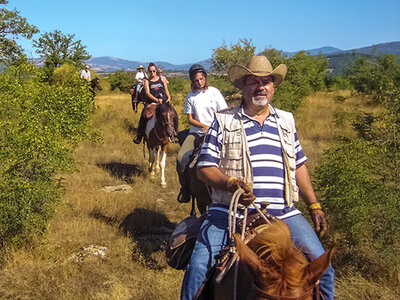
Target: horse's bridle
276	297
164	124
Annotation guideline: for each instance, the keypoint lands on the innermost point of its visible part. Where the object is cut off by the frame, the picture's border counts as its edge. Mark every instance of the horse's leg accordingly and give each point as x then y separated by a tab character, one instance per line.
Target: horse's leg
162	165
158	159
152	159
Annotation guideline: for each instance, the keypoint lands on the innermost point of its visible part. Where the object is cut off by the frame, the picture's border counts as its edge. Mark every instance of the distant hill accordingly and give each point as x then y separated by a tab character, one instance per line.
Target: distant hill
338	59
322	50
111	64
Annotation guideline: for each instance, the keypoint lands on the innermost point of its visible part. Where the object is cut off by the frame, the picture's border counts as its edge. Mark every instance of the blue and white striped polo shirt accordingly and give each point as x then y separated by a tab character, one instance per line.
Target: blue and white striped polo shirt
266	159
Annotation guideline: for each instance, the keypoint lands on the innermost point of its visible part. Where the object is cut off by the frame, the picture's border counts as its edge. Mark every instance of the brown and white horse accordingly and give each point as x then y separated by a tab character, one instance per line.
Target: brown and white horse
160	130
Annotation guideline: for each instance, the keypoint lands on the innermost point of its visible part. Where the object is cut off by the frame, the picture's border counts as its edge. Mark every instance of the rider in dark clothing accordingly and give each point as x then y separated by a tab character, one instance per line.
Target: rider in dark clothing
156	89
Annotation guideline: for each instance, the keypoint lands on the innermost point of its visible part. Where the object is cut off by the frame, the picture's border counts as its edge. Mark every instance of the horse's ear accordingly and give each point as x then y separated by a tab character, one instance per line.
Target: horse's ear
315	269
248	257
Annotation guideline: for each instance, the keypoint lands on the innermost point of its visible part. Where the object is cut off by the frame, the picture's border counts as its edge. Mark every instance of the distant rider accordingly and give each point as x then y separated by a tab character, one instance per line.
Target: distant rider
156	89
140	77
85	74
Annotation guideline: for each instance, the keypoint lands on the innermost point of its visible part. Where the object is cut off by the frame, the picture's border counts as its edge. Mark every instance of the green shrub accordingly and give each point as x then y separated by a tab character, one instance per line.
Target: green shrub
361	177
337	82
122	80
305	75
39	126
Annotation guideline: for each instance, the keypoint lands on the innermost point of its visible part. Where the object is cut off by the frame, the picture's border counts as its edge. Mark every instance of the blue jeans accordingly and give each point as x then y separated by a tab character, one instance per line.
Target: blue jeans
213	236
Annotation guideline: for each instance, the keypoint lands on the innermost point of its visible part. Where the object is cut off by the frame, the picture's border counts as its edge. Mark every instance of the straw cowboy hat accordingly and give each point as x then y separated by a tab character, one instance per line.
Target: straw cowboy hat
140	67
258	66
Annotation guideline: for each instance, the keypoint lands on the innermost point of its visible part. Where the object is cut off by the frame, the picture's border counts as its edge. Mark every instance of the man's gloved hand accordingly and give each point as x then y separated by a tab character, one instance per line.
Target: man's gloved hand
318	218
233	184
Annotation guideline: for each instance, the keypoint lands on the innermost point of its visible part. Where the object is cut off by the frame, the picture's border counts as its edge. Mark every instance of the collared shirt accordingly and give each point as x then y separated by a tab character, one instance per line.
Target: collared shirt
266	160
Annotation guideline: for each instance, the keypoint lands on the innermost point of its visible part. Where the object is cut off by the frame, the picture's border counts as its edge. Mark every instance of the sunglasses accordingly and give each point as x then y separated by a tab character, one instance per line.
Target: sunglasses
152	71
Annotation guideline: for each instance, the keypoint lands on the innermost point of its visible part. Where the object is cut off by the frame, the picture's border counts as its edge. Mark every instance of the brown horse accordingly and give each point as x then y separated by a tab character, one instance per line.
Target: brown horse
95	83
271	267
137	97
160	129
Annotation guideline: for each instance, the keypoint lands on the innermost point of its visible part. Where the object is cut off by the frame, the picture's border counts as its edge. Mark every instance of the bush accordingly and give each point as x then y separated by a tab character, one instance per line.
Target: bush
337	82
122	80
39	126
361	176
305	75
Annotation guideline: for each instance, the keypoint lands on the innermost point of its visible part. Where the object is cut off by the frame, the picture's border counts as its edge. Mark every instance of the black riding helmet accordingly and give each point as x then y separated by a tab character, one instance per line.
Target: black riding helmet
196	68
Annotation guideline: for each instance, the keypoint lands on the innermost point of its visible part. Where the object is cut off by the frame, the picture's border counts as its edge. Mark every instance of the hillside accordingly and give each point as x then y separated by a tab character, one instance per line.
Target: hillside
338	59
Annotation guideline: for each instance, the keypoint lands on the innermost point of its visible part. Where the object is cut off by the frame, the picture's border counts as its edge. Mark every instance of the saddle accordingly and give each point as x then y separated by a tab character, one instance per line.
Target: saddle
185	193
227	258
150	110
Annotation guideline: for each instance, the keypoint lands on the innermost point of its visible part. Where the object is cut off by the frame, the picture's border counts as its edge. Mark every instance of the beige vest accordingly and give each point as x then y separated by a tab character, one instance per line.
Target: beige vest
235	154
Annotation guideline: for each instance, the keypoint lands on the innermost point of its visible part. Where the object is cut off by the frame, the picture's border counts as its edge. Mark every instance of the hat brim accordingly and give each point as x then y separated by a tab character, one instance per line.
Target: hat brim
238	73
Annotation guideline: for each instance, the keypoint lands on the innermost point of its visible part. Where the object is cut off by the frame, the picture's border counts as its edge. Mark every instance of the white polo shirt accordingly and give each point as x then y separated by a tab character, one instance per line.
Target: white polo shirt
203	105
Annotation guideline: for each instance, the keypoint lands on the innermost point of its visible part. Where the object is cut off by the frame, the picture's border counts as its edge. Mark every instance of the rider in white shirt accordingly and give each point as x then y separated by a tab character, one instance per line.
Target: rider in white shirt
140	77
85	74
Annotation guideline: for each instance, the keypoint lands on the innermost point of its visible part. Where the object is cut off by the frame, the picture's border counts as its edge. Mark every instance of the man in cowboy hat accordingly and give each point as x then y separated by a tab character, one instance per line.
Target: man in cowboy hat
85	74
254	146
140	77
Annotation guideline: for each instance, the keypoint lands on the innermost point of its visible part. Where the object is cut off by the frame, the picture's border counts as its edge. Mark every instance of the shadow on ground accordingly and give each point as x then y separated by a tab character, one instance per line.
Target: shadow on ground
127	124
122	171
150	230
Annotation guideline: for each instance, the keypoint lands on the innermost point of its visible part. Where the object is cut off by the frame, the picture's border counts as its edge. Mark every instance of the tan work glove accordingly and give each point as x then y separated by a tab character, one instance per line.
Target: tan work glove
318	218
233	184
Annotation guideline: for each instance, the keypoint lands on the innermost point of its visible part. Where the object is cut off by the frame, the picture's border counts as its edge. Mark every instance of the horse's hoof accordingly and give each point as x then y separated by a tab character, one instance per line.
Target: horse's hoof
163	185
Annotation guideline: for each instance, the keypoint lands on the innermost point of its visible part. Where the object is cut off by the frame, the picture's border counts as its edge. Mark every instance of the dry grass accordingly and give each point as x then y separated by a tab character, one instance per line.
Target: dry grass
317	125
132	226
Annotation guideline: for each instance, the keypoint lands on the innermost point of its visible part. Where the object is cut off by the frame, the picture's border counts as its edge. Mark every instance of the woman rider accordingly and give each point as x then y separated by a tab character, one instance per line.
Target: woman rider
156	89
200	106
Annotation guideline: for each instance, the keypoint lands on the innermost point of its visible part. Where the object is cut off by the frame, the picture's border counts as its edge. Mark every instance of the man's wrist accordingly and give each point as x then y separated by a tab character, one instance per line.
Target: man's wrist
314	206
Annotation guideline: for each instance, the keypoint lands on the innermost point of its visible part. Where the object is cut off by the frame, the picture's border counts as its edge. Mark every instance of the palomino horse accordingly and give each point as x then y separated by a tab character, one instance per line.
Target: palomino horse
270	266
95	83
160	129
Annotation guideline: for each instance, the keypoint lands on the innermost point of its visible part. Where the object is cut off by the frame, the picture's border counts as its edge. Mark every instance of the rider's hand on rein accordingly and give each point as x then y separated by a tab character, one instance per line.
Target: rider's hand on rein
233	184
318	218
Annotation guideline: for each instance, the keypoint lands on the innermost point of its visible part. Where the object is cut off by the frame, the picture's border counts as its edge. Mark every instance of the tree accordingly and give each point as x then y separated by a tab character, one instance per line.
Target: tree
240	53
12	26
305	75
59	49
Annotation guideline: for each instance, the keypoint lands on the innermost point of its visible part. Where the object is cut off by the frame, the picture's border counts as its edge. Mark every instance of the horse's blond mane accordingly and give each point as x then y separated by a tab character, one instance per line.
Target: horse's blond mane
284	260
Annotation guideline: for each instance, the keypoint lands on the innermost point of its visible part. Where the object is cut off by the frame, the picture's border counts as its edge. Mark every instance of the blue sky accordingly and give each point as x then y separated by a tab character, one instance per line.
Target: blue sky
187	31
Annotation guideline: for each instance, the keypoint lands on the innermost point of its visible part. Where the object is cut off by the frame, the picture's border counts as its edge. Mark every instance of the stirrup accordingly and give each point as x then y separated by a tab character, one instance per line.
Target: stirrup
137	140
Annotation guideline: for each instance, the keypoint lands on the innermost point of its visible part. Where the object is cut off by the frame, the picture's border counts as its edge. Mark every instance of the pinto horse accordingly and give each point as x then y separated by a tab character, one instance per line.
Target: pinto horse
270	266
160	129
